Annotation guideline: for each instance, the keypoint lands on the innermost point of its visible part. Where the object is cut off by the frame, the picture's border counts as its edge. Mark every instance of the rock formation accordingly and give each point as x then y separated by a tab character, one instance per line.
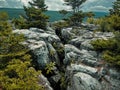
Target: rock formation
83	67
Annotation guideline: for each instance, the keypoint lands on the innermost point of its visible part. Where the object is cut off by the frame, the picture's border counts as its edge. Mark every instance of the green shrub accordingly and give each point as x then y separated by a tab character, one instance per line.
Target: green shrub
49	67
3	16
63	83
16	71
76	18
20	23
91	20
112	58
110	49
114	21
110	23
36	18
60	24
101	44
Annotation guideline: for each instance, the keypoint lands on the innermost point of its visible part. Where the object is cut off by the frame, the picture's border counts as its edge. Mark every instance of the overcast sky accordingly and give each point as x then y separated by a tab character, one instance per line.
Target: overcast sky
89	5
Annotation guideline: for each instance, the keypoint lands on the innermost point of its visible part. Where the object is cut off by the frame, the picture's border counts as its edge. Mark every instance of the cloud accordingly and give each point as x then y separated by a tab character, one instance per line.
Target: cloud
11	4
56	5
97	5
89	5
25	2
99	8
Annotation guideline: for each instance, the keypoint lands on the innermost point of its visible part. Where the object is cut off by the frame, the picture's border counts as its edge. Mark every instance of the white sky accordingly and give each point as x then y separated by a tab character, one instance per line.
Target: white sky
89	5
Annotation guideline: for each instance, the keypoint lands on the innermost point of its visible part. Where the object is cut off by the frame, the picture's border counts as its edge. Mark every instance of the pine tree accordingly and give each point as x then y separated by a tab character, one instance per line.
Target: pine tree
63	13
90	14
39	4
75	4
35	14
78	15
16	71
116	8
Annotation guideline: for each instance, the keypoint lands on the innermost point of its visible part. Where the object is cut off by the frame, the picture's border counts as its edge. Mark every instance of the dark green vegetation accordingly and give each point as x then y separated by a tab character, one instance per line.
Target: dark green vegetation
77	15
64	13
116	8
75	4
34	16
16	71
53	15
111	47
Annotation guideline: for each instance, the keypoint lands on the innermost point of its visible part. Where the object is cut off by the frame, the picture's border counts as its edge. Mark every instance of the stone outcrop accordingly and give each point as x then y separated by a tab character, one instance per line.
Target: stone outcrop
40	44
84	69
44	82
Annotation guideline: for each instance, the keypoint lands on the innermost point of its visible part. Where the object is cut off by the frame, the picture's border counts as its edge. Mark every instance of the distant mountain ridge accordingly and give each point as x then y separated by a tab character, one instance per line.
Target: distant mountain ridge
54	15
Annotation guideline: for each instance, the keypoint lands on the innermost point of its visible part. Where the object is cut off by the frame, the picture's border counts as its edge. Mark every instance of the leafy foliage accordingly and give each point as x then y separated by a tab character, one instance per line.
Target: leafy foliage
3	16
89	14
34	16
116	8
77	15
60	24
101	44
18	75
64	13
75	4
110	49
76	18
39	4
49	67
110	23
114	21
16	72
20	22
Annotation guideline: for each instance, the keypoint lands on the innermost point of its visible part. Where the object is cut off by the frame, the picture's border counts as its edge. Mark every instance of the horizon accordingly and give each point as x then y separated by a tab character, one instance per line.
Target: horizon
56	10
56	5
54	15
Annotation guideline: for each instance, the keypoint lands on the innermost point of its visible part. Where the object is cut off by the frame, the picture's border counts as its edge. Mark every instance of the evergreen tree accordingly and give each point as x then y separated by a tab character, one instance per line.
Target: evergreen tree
39	4
64	13
78	15
90	14
76	18
75	4
16	72
35	14
116	8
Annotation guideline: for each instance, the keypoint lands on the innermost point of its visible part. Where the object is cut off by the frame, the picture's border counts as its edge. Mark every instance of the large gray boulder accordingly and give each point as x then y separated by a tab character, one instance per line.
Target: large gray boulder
81	68
53	54
77	41
39	52
72	54
40	44
44	82
82	81
84	68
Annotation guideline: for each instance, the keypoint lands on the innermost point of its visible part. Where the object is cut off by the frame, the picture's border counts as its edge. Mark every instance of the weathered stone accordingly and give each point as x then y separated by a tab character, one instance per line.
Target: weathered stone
37	30
72	54
88	35
82	81
85	70
53	54
44	82
67	35
86	45
40	53
77	41
82	68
